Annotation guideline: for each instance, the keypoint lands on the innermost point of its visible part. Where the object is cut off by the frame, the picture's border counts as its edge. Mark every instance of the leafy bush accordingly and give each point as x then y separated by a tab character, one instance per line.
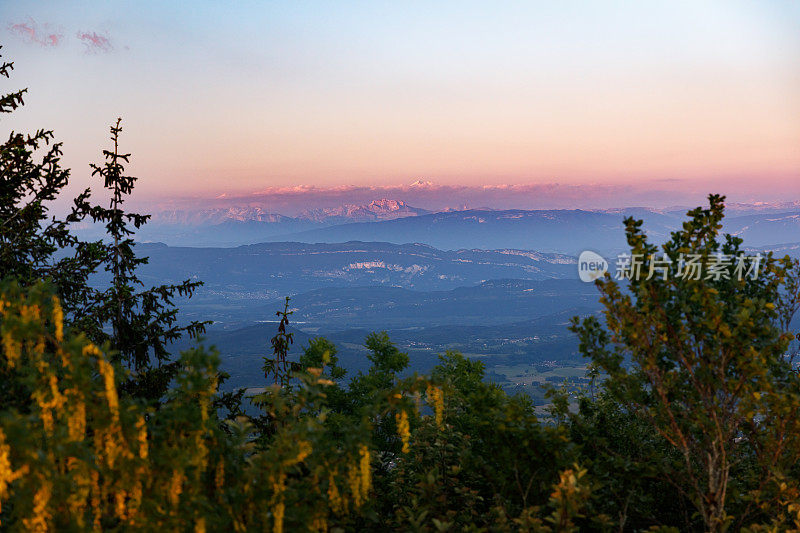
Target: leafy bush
703	361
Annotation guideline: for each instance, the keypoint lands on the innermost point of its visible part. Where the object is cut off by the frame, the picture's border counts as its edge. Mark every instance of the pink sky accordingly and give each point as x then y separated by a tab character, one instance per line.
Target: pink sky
628	103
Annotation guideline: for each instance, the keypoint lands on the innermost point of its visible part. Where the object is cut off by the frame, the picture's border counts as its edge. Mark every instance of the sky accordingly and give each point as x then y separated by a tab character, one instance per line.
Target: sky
522	104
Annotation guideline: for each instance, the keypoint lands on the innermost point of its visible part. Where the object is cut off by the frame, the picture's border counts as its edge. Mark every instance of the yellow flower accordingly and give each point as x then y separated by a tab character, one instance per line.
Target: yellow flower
41	516
91	349
278	511
200	525
47	405
359	477
319	523
79	494
47	420
119	501
109	442
403	429
107	371
39	346
204	410
337	503
29	313
96	500
76	423
58	319
436	399
278	484
112	438
12	348
219	476
65	361
175	487
365	471
202	450
141	431
354	482
136	496
303	452
279	507
568	485
7	474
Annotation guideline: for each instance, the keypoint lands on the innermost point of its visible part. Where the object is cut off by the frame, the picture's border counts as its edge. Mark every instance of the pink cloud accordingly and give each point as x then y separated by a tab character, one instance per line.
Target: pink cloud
429	195
31	32
95	42
291	200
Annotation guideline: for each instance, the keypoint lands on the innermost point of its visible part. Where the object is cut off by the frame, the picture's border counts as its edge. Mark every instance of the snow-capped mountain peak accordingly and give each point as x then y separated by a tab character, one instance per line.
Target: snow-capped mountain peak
217	215
383	209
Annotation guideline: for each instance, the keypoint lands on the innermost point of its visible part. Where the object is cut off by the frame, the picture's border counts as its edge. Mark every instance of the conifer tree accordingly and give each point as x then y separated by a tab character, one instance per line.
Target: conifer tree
142	321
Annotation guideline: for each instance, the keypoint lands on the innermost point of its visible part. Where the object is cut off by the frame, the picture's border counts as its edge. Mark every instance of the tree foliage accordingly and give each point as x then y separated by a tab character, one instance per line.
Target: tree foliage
703	361
143	321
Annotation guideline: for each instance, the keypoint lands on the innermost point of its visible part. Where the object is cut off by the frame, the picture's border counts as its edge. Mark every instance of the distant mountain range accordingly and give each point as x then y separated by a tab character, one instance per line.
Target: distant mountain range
383	209
390	209
766	229
563	231
733	209
216	216
559	231
237	225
